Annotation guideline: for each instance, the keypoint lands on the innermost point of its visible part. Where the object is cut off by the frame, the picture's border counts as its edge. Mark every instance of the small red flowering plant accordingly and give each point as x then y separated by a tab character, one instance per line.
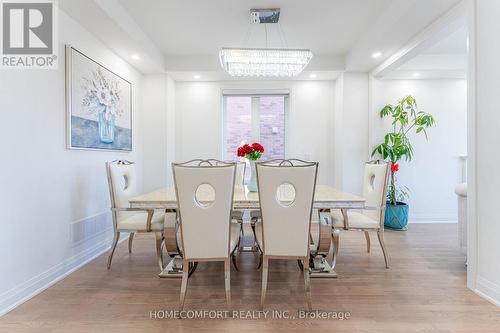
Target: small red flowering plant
396	193
252	152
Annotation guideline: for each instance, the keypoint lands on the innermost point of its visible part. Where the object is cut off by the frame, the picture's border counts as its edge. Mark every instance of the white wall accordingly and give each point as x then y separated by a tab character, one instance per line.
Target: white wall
310	127
198	118
435	169
158	103
351	131
154	101
485	146
171	129
54	202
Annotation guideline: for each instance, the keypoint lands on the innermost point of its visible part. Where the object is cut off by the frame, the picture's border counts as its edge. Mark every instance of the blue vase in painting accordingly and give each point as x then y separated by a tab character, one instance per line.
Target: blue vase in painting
106	126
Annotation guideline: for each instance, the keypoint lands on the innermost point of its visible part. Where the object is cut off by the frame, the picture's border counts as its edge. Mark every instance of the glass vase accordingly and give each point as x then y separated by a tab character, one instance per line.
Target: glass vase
252	184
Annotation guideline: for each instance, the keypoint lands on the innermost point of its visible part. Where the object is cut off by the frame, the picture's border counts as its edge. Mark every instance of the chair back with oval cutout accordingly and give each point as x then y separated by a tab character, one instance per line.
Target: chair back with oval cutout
122	181
204	191
240	173
375	181
286	195
240	170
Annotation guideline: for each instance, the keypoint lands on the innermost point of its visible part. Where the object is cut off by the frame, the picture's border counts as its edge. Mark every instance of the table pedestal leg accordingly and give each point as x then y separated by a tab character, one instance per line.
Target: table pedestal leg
324	258
174	267
253	248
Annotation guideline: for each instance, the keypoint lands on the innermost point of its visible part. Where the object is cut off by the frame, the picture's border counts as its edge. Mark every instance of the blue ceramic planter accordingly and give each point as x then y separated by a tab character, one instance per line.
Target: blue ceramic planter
396	217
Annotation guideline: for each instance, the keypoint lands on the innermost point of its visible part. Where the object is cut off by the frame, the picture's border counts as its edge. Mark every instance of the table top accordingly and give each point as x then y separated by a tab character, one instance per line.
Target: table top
325	197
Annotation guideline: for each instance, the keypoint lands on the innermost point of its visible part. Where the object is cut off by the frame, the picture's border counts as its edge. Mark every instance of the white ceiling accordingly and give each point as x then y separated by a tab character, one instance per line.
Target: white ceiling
183	37
446	59
181	27
455	43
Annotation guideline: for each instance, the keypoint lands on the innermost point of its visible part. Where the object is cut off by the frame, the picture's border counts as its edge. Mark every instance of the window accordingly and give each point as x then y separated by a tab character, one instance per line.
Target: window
255	118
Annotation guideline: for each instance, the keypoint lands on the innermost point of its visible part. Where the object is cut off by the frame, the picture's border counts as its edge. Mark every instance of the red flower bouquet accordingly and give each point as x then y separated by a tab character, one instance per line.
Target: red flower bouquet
253	152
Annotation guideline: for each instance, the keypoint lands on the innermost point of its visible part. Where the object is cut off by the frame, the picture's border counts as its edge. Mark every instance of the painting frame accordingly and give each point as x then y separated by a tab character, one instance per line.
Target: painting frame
69	94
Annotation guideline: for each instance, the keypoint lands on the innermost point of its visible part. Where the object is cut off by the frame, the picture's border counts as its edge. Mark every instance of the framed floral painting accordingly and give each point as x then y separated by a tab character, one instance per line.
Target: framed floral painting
98	103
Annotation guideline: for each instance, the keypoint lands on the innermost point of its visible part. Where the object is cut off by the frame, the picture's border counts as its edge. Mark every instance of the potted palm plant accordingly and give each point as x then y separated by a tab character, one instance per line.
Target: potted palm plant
406	119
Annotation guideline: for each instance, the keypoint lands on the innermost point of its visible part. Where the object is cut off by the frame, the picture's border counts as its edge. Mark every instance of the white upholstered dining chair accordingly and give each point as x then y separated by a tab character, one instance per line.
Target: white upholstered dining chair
237	215
286	195
239	179
122	181
240	173
204	191
371	218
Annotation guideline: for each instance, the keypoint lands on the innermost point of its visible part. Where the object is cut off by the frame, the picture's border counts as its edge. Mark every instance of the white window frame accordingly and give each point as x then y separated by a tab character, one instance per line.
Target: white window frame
255	113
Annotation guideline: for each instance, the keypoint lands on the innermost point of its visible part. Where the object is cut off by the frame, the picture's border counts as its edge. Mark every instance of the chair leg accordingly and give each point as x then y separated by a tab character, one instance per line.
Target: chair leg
260	262
227	280
159	250
238	248
192	268
380	234
130	240
252	225
185	276
367	236
233	259
307	283
265	267
301	266
240	241
113	247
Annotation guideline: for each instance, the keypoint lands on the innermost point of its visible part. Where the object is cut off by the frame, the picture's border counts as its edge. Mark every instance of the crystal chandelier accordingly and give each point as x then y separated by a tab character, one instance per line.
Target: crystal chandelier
266	62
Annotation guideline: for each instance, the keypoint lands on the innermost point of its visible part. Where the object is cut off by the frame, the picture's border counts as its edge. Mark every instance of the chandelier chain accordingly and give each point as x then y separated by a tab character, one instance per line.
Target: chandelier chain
282	42
265	26
247	35
282	33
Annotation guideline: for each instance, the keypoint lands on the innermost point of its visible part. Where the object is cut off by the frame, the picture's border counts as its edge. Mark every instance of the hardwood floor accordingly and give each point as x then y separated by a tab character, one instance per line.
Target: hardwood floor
423	291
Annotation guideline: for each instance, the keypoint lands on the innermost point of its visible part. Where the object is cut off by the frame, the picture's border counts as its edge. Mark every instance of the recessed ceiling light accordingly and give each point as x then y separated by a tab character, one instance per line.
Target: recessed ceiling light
196	77
416	74
312	76
135	57
376	55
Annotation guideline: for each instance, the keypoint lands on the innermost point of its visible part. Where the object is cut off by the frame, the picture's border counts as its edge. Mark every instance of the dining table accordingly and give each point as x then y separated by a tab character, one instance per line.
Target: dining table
323	251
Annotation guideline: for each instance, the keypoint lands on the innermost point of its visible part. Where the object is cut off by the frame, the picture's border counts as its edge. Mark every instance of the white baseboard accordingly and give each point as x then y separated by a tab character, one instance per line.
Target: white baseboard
442	217
432	221
488	290
26	290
